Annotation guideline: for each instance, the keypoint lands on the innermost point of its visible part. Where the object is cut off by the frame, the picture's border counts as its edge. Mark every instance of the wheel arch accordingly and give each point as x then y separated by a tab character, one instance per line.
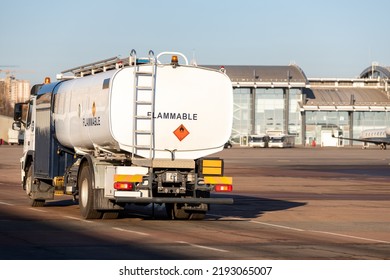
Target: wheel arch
87	159
28	161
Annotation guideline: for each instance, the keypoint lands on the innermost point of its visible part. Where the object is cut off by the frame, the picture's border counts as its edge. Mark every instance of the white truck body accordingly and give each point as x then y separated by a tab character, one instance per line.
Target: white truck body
137	131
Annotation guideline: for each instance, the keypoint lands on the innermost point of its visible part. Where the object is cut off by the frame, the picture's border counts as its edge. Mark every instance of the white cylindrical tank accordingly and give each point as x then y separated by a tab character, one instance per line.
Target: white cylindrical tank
192	114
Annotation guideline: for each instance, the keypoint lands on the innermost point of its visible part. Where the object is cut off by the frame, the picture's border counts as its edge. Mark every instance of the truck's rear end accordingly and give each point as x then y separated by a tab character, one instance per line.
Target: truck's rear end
173	129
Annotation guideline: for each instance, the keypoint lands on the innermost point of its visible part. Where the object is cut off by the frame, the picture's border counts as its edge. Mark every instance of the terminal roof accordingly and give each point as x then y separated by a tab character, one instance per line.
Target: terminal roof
267	74
375	71
346	96
345	99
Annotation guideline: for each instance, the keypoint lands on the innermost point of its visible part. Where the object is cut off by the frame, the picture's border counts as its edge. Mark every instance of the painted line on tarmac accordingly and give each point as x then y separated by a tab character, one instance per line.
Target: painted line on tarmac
7	204
131	231
38	210
256	222
309	230
78	219
274	225
350	236
202	247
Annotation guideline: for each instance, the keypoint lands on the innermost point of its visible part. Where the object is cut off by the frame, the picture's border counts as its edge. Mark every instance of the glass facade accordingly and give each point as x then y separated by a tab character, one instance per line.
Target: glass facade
261	110
332	122
295	120
338	122
269	110
241	113
369	120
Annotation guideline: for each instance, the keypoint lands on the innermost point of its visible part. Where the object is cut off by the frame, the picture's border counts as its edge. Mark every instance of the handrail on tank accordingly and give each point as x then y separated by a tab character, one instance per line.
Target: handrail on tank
173	53
89	66
152	57
133	57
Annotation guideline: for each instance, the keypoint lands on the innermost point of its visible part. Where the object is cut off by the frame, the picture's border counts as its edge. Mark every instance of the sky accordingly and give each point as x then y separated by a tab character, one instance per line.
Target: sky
327	39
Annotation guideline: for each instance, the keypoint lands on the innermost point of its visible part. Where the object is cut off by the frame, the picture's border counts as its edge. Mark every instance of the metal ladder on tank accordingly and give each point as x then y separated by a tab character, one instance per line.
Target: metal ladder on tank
143	100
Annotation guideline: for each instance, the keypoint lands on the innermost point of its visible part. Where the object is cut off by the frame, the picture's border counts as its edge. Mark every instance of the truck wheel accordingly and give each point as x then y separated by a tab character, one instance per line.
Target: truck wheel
28	188
86	196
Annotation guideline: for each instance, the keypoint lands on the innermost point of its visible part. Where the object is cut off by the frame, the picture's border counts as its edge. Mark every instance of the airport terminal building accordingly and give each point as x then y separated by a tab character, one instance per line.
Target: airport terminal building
281	98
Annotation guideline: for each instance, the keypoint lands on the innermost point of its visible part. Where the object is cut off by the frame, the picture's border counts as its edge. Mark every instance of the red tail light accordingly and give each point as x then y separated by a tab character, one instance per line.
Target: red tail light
124	186
223	188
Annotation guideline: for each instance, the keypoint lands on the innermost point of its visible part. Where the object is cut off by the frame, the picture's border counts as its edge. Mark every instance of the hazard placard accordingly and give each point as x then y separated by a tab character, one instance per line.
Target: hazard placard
181	132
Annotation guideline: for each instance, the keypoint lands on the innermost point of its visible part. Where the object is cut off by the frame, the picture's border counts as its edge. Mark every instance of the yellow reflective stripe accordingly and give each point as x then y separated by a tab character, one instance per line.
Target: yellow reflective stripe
212	167
212	162
218	180
212	170
128	178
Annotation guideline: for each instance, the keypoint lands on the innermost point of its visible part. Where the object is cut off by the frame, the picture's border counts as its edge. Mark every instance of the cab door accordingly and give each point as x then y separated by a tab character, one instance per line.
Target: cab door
29	134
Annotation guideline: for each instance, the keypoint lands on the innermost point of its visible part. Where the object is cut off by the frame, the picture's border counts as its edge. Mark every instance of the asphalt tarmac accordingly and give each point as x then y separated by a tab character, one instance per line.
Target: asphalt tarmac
289	204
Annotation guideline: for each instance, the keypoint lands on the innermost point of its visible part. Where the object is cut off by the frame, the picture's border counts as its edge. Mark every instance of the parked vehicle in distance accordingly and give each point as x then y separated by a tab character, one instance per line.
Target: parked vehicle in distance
15	137
228	145
283	141
258	141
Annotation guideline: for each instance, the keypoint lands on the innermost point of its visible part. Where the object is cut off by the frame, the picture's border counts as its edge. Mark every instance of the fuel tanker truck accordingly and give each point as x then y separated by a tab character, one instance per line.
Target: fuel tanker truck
129	131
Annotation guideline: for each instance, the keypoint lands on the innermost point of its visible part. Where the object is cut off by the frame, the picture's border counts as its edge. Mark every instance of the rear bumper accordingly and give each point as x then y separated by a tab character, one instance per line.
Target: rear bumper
192	200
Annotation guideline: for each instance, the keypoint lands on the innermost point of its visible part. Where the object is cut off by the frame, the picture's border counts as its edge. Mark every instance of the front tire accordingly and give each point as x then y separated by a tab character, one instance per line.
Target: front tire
85	184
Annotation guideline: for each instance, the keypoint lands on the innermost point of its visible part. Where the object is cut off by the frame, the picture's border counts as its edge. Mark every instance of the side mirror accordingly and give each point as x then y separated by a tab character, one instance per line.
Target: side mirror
16	126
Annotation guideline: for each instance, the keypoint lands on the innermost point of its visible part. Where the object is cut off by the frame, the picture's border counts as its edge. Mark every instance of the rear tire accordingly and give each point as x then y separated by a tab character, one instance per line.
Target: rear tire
86	193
